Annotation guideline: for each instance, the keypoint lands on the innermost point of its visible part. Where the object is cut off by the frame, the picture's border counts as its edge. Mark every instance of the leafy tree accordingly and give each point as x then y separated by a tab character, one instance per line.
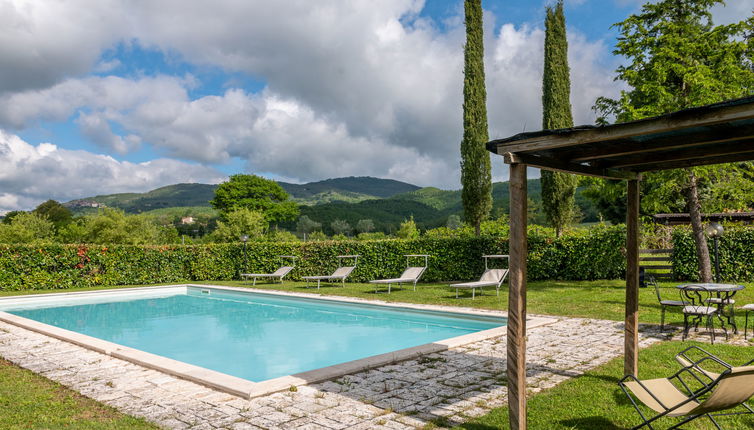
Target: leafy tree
372	236
365	225
558	189
282	236
476	176
408	230
27	227
239	222
306	225
341	227
10	215
677	58
454	222
58	214
317	235
113	226
255	193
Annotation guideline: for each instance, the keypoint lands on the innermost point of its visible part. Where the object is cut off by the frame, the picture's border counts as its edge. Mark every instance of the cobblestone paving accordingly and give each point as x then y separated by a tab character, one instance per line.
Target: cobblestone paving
442	388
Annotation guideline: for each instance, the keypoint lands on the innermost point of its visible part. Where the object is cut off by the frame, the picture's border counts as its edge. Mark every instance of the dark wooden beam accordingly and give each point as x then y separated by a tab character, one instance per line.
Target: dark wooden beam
710	135
631	343
616	132
563	166
516	363
682	164
690	153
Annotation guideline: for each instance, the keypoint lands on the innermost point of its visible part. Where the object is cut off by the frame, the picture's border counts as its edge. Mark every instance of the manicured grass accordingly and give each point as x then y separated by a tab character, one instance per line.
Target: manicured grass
30	401
590	299
595	402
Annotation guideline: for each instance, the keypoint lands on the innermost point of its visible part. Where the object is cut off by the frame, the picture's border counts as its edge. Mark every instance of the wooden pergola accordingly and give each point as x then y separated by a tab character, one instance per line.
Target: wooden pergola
718	133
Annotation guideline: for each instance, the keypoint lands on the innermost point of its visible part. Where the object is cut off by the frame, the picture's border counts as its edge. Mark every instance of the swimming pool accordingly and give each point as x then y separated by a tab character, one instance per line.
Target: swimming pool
254	336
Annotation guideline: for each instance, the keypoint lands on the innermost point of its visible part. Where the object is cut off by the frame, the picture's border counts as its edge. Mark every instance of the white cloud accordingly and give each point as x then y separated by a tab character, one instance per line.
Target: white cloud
351	88
43	42
31	174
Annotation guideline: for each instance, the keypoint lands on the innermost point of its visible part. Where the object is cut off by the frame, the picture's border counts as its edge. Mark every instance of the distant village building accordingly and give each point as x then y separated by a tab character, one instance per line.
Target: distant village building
84	204
187	220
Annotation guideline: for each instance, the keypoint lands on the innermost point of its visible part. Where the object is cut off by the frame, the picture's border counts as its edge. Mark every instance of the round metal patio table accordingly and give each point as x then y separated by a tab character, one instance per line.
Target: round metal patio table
724	292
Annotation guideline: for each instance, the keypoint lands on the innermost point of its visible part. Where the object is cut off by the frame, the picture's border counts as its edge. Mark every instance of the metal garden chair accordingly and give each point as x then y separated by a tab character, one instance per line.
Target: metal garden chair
664	304
698	309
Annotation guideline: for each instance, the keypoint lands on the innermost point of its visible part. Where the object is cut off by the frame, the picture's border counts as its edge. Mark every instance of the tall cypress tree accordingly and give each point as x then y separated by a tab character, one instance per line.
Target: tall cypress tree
558	189
476	176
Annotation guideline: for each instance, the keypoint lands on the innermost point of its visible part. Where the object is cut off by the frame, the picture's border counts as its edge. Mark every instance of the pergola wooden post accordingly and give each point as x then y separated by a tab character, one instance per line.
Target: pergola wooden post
631	345
516	371
713	134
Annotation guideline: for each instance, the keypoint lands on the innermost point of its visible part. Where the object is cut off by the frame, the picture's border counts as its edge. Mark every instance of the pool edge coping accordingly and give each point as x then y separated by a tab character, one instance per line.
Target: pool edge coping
248	389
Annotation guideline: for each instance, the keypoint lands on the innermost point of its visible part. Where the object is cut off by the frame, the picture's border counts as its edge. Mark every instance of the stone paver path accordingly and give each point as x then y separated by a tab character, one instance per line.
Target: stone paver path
442	388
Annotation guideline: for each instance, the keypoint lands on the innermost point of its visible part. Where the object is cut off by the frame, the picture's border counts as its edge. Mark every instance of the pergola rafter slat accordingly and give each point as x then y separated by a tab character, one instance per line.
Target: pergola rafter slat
713	134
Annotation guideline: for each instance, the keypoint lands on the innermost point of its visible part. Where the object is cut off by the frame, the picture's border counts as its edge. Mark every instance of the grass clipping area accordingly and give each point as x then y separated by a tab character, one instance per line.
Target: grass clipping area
594	401
30	401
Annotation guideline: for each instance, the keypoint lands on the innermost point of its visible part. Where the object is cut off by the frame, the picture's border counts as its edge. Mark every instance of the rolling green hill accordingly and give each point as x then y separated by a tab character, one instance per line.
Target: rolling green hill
352	190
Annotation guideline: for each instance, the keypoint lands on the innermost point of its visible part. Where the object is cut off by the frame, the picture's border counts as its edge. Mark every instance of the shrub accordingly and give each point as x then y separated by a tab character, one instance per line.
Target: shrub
581	255
736	258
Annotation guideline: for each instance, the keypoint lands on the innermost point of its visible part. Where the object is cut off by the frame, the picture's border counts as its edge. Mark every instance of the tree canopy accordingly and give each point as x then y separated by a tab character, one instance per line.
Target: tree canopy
476	175
255	193
558	189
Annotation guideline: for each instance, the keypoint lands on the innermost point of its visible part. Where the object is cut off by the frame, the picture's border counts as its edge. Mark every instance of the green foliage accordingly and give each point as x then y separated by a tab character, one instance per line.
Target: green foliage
454	222
363	187
10	215
408	230
178	195
371	236
306	225
677	58
317	235
240	222
113	226
365	225
476	176
736	258
27	227
282	236
586	254
341	228
255	193
56	213
558	189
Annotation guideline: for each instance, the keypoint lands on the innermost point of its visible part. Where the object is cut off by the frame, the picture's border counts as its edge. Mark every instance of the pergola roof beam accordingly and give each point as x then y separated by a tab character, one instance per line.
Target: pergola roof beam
688	153
564	166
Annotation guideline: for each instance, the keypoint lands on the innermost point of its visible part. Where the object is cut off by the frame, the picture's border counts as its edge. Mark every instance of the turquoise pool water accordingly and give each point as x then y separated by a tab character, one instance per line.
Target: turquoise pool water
252	336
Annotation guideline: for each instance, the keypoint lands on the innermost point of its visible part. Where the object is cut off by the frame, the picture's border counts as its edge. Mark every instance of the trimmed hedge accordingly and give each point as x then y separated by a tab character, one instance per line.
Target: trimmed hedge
736	256
595	253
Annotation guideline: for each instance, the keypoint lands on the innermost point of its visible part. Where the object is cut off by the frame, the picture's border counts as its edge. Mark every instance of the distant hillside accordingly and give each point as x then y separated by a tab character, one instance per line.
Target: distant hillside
429	206
353	189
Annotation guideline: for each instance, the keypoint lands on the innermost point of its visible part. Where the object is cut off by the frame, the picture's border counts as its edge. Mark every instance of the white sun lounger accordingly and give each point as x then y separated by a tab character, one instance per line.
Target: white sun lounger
411	274
278	274
490	278
340	274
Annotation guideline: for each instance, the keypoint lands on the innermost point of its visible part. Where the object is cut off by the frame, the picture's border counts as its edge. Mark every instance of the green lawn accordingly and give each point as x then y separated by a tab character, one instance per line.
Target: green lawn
595	402
590	299
30	401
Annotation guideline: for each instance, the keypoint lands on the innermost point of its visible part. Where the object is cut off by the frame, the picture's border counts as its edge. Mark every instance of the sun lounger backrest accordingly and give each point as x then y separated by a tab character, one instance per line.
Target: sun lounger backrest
343	272
733	389
412	273
282	271
493	275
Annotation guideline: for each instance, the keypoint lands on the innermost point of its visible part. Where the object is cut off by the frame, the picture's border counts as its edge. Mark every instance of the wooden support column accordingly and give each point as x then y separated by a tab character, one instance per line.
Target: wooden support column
517	299
631	348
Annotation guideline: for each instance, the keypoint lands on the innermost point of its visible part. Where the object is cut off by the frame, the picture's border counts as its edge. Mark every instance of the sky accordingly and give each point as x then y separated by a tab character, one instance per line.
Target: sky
111	96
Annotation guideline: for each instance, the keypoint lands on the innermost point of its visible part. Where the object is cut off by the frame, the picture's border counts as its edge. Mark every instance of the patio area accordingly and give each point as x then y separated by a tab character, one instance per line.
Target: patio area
442	389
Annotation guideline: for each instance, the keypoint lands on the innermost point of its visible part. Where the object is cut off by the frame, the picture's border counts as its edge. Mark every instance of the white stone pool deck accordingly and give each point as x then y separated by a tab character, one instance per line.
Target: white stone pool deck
444	388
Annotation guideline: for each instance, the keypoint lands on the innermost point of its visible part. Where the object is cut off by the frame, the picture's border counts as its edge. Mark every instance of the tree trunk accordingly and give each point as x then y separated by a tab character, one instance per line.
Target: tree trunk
702	251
